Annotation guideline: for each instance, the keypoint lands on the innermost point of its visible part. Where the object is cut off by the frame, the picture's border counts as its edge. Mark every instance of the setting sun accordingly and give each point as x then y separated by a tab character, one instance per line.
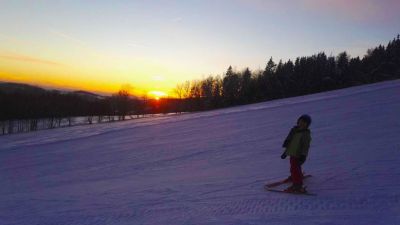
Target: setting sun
157	94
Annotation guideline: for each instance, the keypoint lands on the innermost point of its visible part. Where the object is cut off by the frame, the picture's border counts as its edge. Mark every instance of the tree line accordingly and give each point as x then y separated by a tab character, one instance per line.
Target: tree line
23	111
304	75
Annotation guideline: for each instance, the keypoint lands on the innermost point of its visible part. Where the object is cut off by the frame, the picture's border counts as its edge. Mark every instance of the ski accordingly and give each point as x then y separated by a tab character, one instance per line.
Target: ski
277	183
293	193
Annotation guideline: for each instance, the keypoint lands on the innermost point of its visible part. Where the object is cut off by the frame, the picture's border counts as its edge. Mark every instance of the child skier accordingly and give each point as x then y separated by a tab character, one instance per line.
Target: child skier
296	146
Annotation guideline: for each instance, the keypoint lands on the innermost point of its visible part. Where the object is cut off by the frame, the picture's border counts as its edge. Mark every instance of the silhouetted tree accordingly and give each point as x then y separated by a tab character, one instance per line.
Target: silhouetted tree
245	87
230	87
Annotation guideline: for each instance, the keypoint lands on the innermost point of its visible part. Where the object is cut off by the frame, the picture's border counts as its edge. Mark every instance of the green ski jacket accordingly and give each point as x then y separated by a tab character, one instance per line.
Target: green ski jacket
298	141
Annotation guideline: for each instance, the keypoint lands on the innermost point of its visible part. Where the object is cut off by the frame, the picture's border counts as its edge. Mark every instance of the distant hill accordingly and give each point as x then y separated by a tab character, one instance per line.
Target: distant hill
9	88
24	101
87	95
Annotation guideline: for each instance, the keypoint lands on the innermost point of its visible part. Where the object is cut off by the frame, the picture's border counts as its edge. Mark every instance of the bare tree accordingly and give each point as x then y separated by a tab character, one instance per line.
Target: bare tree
186	89
144	102
179	90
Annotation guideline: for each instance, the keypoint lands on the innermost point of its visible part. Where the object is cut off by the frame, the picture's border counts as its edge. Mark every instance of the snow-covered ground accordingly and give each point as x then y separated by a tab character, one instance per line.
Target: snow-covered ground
210	167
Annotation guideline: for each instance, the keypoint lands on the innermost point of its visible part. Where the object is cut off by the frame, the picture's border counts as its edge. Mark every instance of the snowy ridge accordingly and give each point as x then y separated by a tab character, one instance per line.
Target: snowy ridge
210	167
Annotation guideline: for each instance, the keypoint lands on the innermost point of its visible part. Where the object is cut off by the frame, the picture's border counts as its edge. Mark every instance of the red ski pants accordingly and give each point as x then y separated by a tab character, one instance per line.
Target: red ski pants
295	171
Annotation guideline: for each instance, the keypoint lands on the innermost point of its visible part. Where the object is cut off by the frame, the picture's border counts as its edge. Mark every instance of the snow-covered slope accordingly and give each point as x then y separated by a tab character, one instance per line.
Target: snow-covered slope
210	167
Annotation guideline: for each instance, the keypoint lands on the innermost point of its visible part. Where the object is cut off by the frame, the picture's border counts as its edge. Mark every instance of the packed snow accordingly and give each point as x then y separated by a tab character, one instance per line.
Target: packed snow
210	167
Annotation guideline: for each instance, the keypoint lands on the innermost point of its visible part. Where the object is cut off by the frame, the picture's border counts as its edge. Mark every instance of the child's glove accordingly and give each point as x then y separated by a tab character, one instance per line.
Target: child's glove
302	159
283	156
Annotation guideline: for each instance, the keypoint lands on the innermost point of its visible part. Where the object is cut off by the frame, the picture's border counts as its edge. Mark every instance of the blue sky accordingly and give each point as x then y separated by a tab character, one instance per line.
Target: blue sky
110	43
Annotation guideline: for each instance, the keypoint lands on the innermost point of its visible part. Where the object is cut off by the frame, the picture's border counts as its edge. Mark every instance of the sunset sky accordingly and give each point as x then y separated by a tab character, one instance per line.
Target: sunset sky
100	45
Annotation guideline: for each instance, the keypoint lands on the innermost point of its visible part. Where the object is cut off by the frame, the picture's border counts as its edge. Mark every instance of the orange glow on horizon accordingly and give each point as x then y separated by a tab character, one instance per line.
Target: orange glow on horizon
101	76
71	83
157	94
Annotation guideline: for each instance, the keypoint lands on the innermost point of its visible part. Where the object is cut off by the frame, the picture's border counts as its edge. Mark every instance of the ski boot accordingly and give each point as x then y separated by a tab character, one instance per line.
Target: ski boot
296	188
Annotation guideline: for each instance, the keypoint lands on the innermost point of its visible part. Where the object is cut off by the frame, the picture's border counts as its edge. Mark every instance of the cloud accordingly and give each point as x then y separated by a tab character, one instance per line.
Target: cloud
67	37
23	58
79	43
137	45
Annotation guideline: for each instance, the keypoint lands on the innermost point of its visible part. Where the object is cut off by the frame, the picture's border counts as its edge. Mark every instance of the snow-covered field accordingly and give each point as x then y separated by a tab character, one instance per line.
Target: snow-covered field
210	167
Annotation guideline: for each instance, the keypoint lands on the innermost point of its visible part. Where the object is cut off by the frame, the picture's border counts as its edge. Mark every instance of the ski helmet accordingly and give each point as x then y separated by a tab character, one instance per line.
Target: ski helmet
306	118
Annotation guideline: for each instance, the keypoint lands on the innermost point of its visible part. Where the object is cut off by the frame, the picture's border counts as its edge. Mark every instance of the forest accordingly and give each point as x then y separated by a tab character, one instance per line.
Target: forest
304	75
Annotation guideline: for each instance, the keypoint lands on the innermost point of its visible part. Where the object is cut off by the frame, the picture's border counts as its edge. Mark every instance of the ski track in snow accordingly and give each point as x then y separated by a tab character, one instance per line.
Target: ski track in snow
210	167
